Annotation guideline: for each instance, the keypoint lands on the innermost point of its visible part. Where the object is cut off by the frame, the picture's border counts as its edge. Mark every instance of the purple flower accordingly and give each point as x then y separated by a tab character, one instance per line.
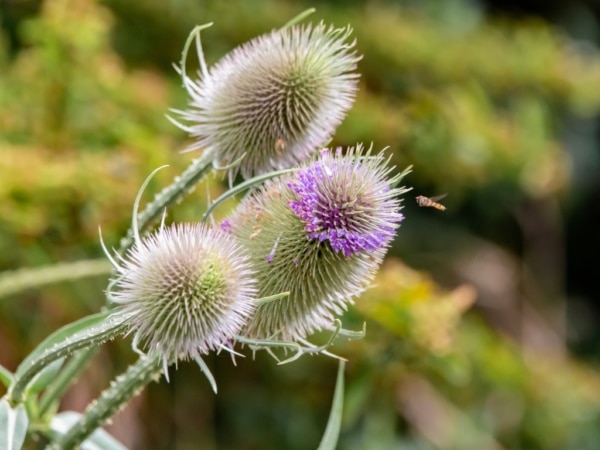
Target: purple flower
275	99
191	289
347	202
319	233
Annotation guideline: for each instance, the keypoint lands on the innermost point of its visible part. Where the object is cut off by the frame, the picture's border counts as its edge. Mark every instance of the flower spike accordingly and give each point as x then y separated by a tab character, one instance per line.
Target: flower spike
190	288
319	233
277	98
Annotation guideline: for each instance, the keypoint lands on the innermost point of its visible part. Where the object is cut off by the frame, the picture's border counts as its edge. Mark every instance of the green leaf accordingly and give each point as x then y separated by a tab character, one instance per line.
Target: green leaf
45	376
98	440
91	330
6	376
67	376
332	432
60	335
13	425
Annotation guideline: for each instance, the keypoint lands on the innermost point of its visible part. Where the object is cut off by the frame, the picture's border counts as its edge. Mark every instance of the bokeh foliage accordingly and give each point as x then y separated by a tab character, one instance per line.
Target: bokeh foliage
479	107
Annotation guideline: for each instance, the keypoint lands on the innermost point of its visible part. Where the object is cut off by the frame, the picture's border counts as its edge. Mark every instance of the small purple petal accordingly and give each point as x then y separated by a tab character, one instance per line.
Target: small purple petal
226	226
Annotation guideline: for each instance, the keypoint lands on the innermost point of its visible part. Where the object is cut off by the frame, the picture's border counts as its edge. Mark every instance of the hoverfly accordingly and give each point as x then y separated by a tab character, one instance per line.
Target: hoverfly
431	202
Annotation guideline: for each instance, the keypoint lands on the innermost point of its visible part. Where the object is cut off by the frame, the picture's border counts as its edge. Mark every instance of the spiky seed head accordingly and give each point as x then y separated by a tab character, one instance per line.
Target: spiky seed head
319	233
190	289
276	98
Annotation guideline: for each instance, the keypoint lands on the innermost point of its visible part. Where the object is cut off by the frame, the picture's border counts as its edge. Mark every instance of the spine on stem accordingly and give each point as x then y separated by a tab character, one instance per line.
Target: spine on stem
181	185
121	390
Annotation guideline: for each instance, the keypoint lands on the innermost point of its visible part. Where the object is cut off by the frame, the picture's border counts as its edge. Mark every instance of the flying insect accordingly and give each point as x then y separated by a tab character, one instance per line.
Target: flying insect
426	202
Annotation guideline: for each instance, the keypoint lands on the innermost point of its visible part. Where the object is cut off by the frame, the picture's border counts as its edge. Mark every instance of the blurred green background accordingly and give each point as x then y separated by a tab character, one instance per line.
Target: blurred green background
482	329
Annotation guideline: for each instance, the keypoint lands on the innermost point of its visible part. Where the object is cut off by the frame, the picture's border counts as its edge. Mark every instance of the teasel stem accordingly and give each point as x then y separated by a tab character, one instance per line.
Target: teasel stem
14	282
120	392
181	185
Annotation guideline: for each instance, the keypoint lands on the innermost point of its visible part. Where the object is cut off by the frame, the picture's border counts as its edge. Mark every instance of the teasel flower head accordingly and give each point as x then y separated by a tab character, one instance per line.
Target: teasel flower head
274	100
189	289
320	234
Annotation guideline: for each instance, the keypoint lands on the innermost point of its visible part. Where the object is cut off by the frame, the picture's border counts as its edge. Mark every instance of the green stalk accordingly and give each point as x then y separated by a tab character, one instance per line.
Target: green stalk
180	186
121	390
18	280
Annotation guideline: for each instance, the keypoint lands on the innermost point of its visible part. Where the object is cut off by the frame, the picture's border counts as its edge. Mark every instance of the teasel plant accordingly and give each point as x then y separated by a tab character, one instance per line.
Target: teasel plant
184	291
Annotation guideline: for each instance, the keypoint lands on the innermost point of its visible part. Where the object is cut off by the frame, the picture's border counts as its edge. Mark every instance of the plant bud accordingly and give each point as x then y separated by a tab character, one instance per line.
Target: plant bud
275	99
191	289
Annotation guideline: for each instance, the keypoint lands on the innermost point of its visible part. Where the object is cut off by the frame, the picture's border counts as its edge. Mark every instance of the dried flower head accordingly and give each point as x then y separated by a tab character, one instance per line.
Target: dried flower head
319	233
190	289
275	99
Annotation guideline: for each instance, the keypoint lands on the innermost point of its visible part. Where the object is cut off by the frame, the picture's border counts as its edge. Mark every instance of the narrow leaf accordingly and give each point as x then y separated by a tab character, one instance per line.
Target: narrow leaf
16	281
13	426
271	298
6	376
45	376
65	332
92	330
67	376
182	184
332	432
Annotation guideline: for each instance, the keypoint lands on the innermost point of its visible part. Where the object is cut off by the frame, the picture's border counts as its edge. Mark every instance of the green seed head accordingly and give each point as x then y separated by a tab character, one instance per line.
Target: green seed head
275	99
190	289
